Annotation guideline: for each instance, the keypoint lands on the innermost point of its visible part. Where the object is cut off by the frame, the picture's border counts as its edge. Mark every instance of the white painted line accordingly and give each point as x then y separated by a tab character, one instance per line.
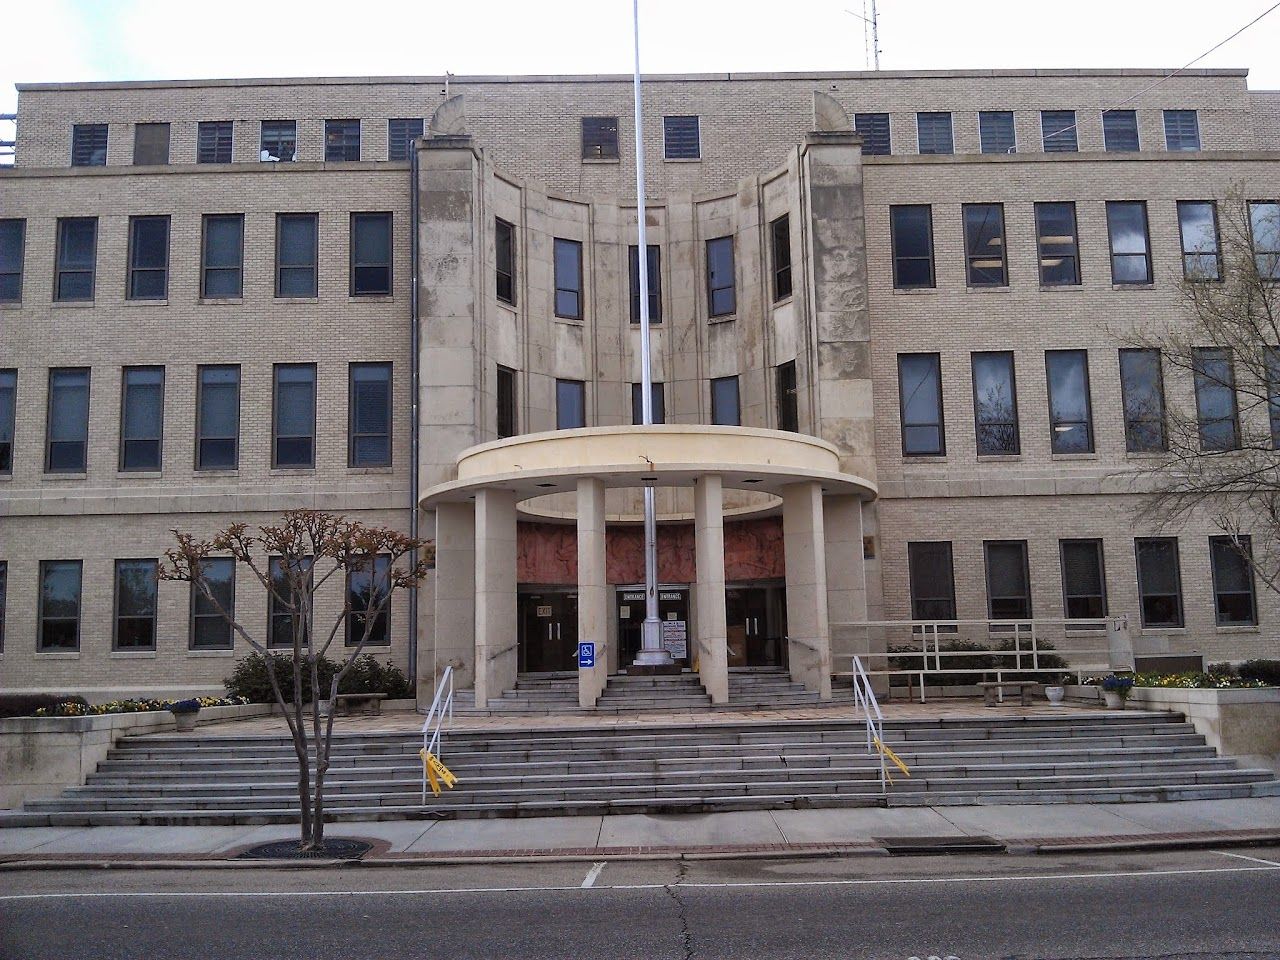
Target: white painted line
263	894
1241	856
593	874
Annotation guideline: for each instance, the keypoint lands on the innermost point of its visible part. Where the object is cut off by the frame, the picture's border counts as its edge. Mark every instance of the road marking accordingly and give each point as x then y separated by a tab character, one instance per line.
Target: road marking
592	874
898	881
1241	856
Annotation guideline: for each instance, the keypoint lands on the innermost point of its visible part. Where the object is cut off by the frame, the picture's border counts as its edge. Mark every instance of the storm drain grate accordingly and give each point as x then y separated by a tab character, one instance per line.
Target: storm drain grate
938	846
338	848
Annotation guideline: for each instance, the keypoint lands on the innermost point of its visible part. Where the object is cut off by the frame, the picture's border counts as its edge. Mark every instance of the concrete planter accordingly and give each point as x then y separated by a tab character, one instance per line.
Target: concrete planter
1055	694
1113	699
186	722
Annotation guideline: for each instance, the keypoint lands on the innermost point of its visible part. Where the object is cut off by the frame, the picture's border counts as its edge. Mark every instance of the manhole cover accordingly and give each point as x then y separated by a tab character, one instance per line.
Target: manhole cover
936	846
337	848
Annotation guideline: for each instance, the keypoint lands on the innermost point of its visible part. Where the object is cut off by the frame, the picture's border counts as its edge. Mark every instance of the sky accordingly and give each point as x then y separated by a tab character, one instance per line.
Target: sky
66	40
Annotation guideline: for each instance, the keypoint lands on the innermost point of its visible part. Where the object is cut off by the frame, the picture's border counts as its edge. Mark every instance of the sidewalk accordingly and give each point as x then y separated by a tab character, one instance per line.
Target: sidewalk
780	833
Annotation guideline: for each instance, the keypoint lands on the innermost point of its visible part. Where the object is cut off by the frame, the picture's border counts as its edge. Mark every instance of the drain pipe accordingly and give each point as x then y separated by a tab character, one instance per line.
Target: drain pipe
413	409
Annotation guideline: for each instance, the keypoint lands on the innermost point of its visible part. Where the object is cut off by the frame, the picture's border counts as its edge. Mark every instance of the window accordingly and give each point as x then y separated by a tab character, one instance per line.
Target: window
67	431
1120	130
933	584
995	131
222	257
4	592
984	245
148	258
504	241
341	140
77	252
657	398
8	405
279	140
788	406
296	254
369	415
210	630
1056	239
1142	389
141	418
135	605
1130	245
654	278
911	228
1008	580
1264	230
571	404
1272	362
370	254
1070	416
725	409
1198	228
1159	581
293	434
218	418
1232	581
1215	398
13	235
1058	130
1181	130
568	275
367	587
874	129
680	138
933	133
1084	584
722	297
283	603
59	605
780	242
920	402
599	138
213	141
400	137
89	145
995	404
508	422
150	144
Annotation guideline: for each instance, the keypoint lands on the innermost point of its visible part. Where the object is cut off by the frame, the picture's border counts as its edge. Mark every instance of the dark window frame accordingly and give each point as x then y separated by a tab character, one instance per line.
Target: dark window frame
987	125
506	385
1088	402
1149	277
339	144
215	139
141	132
397	139
1266	261
206	269
125	439
578	292
194	617
992	599
276	435
1244	553
4	599
9	422
278	138
354	435
876	131
780	257
199	436
1180	621
787	396
357	264
562	412
501	226
83	466
41	619
914	549
1196	255
600	138
1067	595
1171	134
1073	256
971	258
1202	380
894	230
313	266
85	151
950	137
679	141
116	616
1111	135
1271	363
136	274
275	566
1013	423
654	277
1130	441
6	276
1062	139
378	582
659	394
713	245
62	269
940	424
717	408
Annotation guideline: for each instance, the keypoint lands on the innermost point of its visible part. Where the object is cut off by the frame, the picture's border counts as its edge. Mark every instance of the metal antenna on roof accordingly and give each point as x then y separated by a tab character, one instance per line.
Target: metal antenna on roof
874	22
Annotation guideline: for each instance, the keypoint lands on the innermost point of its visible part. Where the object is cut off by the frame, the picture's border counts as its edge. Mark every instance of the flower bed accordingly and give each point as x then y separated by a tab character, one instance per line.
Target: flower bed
73	709
1187	681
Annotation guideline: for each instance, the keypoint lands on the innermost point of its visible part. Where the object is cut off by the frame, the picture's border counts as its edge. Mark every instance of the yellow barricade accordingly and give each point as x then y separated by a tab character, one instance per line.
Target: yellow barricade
437	773
897	761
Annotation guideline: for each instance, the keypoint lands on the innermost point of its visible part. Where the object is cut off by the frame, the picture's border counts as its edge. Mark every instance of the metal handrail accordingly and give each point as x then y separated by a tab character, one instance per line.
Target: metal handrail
865	698
435	720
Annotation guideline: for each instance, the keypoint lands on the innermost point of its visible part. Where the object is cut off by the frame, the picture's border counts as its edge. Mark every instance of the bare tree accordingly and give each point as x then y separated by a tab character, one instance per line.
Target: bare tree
1222	426
310	548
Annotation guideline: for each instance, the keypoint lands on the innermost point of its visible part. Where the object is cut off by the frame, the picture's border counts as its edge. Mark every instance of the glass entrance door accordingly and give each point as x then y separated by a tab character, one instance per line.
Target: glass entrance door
756	621
548	631
673	611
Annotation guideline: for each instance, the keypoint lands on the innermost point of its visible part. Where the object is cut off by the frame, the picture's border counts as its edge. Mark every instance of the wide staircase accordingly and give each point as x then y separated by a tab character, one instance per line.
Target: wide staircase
664	767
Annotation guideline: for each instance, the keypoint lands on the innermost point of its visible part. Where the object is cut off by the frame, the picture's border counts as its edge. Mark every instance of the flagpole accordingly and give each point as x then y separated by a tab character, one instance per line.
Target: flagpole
652	653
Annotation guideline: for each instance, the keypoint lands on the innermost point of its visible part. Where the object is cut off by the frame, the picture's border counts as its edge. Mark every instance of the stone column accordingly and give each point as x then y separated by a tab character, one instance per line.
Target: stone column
593	591
454	628
495	594
846	581
710	642
808	625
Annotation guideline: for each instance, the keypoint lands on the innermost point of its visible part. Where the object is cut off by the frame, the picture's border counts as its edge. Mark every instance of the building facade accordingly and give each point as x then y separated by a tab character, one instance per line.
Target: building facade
893	316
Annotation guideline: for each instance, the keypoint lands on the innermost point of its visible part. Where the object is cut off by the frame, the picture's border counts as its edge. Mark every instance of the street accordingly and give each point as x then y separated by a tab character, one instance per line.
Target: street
1198	903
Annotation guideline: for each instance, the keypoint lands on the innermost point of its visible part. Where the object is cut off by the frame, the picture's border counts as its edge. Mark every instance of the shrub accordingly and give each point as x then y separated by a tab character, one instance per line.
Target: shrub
76	707
966	662
1224	669
1044	660
1268	671
28	704
368	675
249	678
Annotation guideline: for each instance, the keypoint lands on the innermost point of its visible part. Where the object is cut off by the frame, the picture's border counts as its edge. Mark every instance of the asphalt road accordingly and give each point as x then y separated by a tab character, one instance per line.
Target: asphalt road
1191	904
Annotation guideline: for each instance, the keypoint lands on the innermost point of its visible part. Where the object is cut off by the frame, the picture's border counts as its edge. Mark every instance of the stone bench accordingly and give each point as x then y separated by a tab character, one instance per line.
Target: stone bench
370	703
1023	687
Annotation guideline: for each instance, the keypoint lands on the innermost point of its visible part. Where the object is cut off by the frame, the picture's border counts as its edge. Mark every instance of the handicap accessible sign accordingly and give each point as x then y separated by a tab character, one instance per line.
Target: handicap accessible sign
586	656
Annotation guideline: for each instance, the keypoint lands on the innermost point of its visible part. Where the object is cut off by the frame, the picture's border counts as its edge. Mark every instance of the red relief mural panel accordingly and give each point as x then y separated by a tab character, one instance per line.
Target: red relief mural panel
548	553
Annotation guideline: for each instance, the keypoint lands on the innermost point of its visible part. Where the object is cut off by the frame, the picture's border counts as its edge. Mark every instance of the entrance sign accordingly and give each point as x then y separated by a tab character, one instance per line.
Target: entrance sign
675	638
544	611
586	655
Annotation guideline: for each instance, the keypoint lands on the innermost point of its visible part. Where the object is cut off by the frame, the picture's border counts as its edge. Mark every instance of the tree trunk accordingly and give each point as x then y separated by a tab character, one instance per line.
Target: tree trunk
316	839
